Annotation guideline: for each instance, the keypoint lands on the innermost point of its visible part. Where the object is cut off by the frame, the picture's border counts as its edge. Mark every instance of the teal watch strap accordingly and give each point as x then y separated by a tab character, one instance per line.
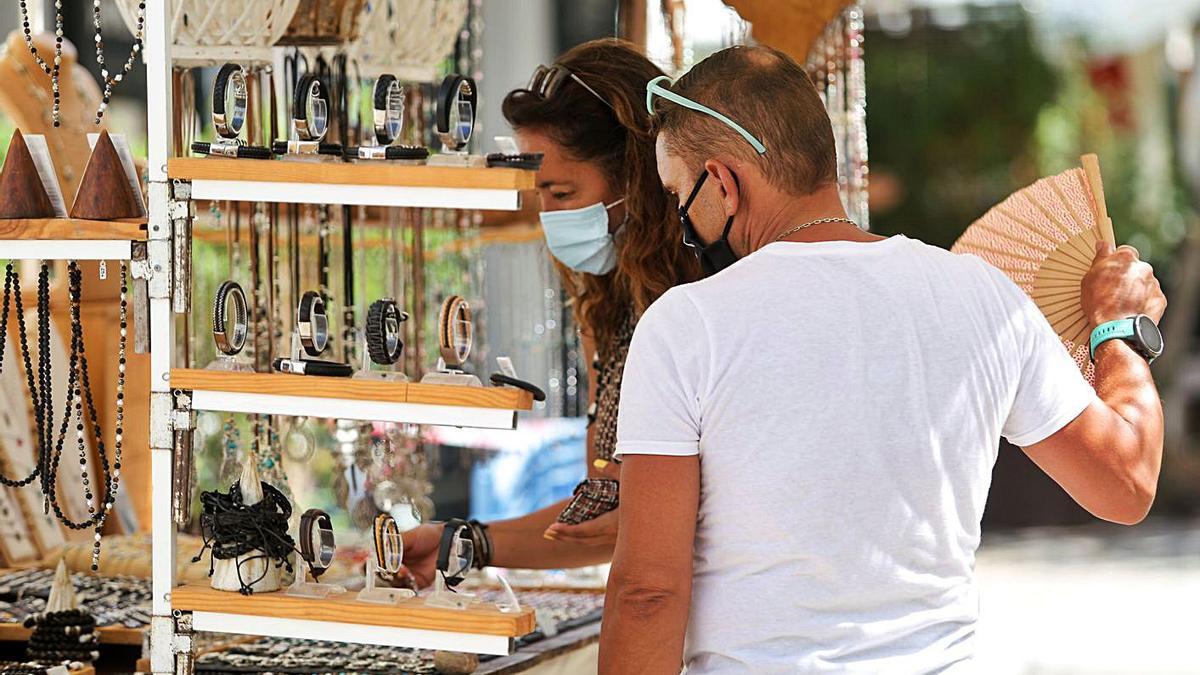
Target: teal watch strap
1111	330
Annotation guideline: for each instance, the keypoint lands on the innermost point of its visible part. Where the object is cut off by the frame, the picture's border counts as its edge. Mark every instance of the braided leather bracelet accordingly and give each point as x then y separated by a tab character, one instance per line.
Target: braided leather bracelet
230	339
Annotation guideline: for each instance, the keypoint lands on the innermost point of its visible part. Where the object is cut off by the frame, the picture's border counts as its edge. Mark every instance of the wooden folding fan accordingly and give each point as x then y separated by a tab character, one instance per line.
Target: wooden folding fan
1043	237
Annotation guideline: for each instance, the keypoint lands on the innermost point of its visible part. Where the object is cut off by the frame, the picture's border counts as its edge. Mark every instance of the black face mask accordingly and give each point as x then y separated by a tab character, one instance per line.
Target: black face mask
713	257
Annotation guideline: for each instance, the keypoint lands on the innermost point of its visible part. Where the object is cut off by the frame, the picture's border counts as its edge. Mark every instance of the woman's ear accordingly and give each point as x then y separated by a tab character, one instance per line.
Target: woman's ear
728	188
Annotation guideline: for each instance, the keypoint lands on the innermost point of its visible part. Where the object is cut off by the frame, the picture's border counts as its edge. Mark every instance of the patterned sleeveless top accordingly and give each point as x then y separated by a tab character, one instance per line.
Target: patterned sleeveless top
603	411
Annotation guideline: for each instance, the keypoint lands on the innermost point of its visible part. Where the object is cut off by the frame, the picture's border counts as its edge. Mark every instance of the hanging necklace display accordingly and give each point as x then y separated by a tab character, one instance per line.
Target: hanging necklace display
387	561
383	341
455	336
230	102
230	327
309	340
316	555
79	403
111	81
52	71
310	121
455	116
387	109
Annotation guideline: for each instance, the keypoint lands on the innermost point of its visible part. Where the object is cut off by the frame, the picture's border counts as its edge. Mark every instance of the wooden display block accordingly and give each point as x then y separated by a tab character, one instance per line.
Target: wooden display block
413	614
22	194
104	191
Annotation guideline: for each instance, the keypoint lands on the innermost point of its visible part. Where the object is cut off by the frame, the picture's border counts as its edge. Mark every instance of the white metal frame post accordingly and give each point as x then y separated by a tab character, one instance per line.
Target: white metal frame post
157	57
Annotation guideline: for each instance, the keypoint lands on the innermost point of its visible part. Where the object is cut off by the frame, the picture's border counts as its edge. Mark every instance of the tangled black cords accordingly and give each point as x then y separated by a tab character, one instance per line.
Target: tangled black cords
231	529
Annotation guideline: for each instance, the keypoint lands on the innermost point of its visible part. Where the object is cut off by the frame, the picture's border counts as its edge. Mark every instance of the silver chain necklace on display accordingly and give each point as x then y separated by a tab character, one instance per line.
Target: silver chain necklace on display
819	221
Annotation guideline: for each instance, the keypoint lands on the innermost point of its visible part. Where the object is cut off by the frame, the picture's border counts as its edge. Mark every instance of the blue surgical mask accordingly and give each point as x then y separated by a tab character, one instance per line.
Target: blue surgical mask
580	239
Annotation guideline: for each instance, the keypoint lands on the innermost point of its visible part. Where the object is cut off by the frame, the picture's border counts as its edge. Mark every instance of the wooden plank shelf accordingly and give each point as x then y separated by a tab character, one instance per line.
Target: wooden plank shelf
73	229
69	238
347	398
109	635
481	628
367	183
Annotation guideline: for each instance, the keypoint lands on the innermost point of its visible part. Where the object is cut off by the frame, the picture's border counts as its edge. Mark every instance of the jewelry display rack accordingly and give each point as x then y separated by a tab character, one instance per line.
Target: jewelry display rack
176	393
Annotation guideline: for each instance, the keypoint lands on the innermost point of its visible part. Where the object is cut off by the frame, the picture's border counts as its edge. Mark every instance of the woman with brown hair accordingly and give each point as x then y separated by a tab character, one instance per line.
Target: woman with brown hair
615	236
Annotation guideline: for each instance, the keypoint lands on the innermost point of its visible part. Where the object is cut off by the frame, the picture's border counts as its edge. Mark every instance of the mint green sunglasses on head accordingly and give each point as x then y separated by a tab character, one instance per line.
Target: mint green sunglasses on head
653	87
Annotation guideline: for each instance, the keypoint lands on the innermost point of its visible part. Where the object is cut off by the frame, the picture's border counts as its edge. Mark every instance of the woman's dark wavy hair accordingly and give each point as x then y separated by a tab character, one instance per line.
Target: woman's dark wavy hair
619	142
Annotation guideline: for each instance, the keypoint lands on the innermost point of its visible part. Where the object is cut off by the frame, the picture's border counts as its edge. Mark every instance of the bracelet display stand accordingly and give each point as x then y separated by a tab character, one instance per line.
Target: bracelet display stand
384	596
303	588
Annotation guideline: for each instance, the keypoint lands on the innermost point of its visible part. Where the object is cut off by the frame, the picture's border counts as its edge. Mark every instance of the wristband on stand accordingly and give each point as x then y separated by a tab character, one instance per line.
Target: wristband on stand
230	339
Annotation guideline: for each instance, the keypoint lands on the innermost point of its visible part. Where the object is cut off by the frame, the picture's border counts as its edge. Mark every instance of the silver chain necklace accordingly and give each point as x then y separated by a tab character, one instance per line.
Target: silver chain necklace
819	221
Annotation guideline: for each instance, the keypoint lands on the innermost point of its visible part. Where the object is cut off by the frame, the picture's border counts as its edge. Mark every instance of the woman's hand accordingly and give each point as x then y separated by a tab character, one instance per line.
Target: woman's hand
420	552
599	531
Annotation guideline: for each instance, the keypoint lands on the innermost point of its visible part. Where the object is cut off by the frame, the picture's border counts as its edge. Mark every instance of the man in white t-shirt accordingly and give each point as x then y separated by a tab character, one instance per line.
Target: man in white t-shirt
808	434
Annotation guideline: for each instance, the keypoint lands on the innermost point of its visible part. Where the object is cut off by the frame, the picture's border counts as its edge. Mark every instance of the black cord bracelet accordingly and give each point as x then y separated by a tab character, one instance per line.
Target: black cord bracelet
229	150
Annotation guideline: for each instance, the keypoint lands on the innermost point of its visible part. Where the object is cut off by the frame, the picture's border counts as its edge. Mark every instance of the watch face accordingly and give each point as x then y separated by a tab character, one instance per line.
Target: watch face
1149	334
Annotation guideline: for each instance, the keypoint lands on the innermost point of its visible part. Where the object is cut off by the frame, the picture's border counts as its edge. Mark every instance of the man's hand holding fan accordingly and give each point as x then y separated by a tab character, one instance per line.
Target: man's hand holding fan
1054	239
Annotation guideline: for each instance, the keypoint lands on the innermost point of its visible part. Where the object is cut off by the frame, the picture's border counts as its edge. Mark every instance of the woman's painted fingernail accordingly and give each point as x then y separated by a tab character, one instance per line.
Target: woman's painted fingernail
600	464
550	536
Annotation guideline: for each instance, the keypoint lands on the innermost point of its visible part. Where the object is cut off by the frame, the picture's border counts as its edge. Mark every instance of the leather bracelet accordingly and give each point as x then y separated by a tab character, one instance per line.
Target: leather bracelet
392	152
286	147
455	89
502	380
387	106
317	522
230	339
389	548
228	123
235	150
310	109
455	332
453	530
531	161
483	544
312	367
311	323
384	342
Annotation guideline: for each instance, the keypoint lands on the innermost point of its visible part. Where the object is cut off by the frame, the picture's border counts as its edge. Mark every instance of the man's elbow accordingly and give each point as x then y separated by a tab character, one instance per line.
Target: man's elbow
1131	503
646	599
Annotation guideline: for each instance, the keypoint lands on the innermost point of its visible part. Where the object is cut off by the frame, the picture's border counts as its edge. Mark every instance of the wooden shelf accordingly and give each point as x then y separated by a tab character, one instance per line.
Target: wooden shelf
72	229
109	635
347	398
69	238
482	628
367	183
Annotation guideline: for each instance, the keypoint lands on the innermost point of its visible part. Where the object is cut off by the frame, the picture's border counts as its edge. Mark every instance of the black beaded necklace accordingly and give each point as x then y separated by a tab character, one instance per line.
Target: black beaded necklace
78	399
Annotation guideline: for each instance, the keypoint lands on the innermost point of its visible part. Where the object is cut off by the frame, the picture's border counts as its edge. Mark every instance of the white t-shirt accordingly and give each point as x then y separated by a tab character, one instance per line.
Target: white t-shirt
847	402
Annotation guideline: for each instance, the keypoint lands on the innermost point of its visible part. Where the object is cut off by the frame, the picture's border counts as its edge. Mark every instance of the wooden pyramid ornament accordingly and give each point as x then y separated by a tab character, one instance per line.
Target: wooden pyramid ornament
22	194
104	191
1043	237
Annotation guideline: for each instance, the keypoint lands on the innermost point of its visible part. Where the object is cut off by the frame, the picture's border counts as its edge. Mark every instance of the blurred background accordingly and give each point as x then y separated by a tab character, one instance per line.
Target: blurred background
965	102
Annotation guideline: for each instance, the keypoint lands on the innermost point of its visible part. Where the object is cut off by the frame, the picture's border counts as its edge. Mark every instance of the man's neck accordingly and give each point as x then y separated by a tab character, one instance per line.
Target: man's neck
787	211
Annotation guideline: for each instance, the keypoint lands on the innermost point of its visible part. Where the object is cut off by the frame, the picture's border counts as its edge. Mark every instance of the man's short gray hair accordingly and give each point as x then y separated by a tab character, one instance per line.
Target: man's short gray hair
768	94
